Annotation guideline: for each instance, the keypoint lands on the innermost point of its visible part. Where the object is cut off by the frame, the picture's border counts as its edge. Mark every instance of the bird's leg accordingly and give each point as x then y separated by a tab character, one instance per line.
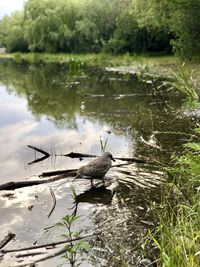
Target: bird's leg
92	185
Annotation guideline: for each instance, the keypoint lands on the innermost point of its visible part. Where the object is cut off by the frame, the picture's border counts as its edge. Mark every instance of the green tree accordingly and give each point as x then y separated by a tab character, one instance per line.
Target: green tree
11	32
180	17
98	23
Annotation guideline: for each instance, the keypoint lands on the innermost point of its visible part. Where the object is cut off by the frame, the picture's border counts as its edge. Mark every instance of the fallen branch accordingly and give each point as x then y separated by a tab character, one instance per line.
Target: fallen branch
79	155
54	202
133	160
59	172
38	160
53	244
46	154
39	150
20	184
6	239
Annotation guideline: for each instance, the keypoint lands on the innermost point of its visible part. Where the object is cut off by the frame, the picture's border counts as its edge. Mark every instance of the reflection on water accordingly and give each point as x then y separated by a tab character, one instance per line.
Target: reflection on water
61	111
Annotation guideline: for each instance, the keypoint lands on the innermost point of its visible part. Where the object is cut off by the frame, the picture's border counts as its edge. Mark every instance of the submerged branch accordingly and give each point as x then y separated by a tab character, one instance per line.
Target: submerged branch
50	256
20	184
53	244
29	254
6	239
39	150
58	172
46	154
79	155
38	160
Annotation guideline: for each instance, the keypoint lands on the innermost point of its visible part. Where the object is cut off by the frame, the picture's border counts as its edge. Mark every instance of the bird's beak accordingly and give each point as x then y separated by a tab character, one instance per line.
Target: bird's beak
112	159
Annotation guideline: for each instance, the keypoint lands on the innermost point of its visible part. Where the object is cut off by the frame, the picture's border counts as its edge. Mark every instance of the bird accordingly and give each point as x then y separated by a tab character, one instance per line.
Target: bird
97	168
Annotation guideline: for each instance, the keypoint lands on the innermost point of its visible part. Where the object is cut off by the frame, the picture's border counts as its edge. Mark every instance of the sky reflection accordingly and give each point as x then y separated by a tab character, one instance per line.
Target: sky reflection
19	128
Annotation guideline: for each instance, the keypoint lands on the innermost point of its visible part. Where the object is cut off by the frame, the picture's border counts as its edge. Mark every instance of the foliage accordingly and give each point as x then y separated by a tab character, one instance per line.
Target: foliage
81	26
181	18
117	26
177	236
11	33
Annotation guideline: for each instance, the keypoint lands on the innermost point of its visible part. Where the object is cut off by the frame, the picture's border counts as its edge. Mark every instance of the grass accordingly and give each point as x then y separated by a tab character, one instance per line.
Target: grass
152	64
184	82
177	236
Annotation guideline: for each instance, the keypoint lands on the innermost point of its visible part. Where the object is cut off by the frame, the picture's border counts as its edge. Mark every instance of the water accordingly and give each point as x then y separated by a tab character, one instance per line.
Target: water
62	111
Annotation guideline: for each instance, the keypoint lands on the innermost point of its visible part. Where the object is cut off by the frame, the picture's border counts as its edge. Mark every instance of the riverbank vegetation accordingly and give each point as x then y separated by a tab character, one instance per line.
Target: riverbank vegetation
133	26
177	236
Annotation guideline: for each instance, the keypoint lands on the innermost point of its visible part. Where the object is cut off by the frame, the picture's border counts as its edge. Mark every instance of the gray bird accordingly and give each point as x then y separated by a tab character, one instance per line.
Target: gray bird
97	168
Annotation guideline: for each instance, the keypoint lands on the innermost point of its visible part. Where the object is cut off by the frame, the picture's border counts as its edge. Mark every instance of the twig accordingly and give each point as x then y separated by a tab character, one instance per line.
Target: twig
38	160
53	244
46	154
149	143
39	150
132	160
6	239
54	202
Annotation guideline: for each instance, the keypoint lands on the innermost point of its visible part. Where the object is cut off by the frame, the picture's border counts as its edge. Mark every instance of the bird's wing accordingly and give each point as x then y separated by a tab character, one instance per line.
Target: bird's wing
95	168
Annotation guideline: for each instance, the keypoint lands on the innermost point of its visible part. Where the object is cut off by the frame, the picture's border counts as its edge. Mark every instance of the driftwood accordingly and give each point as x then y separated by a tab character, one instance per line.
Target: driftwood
20	184
54	202
53	244
6	239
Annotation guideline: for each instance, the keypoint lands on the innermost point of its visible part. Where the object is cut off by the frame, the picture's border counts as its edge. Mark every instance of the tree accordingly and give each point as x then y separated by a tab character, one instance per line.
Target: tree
180	17
11	33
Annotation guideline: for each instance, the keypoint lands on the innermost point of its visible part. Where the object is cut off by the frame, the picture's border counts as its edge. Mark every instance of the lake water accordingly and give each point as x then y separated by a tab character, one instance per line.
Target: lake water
63	110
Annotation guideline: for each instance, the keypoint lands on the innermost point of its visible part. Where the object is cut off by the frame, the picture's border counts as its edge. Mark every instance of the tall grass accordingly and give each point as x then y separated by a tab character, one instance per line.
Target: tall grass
177	236
185	83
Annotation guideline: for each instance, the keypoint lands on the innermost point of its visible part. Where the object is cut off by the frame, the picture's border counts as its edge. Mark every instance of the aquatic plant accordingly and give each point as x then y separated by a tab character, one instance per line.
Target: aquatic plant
74	249
103	145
